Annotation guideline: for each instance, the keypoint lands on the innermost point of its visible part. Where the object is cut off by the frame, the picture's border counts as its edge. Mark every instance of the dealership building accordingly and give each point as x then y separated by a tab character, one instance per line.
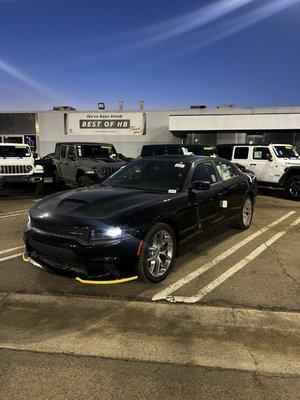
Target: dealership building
129	130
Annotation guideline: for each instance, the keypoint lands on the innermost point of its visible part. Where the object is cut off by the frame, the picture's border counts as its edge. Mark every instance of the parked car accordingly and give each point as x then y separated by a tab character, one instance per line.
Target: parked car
17	165
275	165
84	164
150	150
47	162
139	219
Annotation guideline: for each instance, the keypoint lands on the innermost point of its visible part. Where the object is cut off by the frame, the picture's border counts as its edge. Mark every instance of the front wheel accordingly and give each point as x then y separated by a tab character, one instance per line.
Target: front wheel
293	187
246	214
158	254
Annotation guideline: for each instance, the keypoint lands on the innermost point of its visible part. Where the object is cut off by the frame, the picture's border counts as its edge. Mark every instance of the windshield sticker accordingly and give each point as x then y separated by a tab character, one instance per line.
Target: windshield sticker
106	147
20	146
179	165
208	148
172	191
289	147
79	151
213	178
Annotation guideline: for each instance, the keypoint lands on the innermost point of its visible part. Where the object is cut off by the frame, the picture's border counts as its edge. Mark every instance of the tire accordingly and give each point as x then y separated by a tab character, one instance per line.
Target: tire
84	181
246	214
292	187
163	259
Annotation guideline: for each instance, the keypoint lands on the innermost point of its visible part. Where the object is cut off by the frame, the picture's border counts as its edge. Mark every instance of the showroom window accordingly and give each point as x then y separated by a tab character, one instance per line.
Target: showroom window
241	153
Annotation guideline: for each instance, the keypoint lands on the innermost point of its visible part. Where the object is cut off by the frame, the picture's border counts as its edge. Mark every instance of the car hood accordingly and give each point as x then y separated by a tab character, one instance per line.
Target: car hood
99	202
100	161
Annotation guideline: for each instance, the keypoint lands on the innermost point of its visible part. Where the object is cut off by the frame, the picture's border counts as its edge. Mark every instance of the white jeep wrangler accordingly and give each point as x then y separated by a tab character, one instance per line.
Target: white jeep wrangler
17	164
275	165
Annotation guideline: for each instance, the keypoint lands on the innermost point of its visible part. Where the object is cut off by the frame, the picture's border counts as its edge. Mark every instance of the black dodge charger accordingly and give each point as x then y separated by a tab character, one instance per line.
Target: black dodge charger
137	221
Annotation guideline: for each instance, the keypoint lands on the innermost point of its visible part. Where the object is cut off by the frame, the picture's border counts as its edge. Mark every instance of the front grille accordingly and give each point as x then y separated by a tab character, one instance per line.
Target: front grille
81	233
13	169
107	171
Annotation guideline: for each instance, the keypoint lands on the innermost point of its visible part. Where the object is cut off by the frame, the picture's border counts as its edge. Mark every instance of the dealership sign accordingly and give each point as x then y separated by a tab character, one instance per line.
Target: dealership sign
105	123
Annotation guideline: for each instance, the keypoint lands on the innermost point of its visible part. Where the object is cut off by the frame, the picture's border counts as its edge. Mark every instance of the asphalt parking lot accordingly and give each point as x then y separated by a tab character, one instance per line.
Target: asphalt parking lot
242	286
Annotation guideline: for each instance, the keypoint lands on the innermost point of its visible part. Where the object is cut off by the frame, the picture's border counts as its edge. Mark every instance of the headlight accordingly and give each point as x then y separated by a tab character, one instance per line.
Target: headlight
28	168
111	232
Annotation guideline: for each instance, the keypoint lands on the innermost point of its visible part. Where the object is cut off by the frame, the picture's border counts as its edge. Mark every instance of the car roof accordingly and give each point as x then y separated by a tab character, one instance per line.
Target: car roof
83	143
182	158
255	144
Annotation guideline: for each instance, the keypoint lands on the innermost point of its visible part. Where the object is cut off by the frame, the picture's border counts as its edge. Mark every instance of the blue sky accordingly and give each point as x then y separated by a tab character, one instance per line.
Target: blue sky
170	53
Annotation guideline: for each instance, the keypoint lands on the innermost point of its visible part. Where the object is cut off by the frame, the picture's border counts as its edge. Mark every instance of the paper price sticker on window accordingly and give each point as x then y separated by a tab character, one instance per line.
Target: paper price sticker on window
172	191
179	165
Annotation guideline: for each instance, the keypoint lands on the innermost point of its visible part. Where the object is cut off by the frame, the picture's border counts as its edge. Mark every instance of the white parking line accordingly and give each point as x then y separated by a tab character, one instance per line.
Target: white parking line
163	295
12	215
14	212
11	250
241	264
9	257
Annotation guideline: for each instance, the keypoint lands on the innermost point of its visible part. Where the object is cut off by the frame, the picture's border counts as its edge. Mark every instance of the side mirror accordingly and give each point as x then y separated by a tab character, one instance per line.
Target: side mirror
35	155
200	185
269	157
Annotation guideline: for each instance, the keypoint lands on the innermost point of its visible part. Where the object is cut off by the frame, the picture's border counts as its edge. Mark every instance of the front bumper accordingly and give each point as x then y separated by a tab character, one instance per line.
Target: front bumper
66	256
32	178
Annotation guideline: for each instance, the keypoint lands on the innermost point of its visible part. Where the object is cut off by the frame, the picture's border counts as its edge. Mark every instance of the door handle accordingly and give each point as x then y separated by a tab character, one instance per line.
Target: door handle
252	165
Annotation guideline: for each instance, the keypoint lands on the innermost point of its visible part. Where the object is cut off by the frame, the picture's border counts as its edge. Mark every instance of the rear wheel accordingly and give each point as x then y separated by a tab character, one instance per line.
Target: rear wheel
84	181
39	188
246	214
158	254
293	187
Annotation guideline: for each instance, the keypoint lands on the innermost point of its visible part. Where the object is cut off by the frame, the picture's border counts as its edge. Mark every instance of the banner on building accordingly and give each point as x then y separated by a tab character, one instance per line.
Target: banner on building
105	123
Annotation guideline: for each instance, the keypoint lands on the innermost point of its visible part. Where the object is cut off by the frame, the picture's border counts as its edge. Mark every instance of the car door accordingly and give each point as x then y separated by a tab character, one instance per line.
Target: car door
207	202
234	188
60	164
70	164
261	165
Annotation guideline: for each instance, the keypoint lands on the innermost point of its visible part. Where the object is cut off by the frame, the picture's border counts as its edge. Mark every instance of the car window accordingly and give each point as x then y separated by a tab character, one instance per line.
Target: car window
241	153
224	152
261	153
227	171
173	150
204	172
159	150
147	151
63	151
71	152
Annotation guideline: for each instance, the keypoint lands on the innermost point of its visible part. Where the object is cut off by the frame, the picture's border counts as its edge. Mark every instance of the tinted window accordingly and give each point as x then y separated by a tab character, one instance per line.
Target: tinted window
204	172
227	171
261	153
241	153
71	152
57	152
286	151
159	150
19	150
63	152
225	152
147	151
173	150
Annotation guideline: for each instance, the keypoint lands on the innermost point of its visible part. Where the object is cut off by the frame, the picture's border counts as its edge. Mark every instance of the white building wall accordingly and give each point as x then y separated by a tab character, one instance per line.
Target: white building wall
51	131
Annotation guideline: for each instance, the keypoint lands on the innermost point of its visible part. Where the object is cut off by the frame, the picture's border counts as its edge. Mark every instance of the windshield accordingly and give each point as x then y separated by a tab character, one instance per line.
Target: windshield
19	150
152	175
96	151
286	151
